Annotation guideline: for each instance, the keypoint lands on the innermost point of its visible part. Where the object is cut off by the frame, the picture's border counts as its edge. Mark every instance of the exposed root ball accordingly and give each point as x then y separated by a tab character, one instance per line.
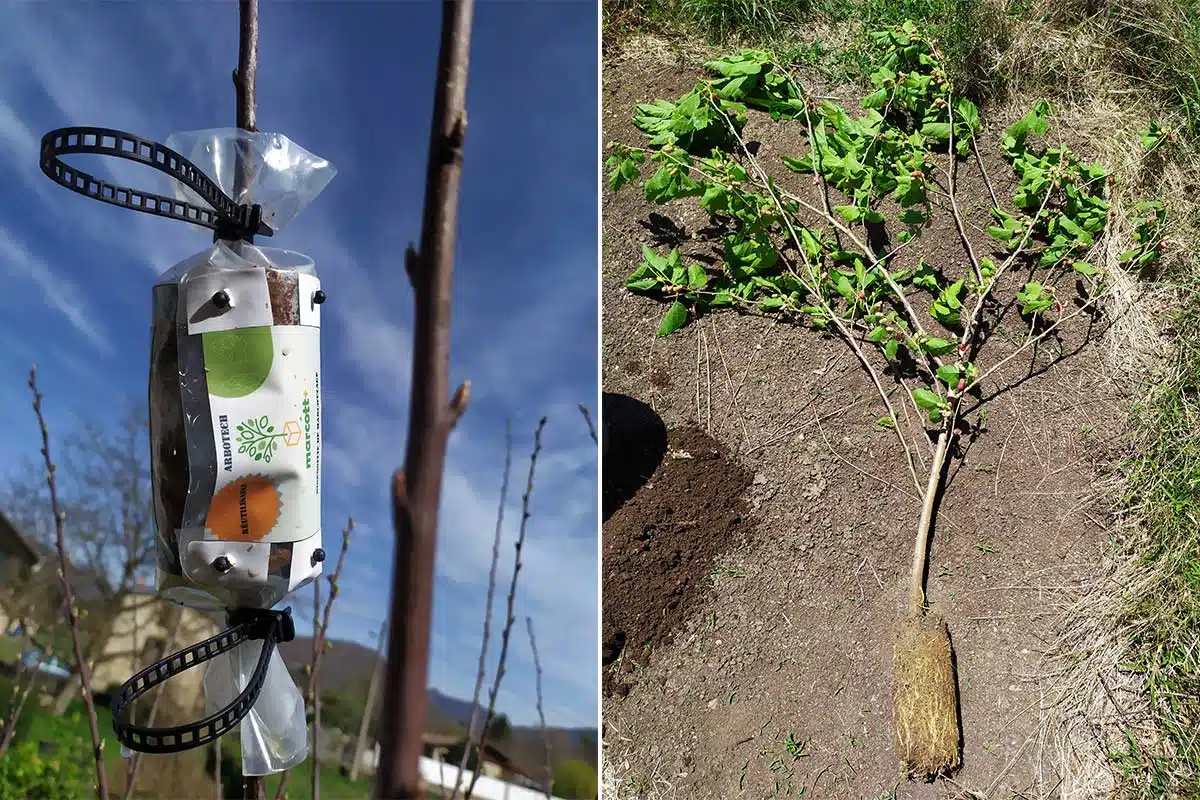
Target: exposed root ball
925	698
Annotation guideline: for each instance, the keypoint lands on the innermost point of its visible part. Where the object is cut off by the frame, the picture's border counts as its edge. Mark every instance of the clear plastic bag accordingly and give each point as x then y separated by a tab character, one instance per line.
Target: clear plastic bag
274	733
235	424
283	177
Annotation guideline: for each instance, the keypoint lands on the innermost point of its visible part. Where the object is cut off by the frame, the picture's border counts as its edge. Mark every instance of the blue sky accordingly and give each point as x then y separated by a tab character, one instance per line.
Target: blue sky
352	82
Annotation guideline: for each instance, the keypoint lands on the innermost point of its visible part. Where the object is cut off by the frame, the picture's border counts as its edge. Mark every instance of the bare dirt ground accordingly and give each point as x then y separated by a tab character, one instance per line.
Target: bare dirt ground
770	675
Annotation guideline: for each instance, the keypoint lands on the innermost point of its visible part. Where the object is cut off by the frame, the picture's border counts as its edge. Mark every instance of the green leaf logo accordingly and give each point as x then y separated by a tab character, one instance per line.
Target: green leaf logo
258	439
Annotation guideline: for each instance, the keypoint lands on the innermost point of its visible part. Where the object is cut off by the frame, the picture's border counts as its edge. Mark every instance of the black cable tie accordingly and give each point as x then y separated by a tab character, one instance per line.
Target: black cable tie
246	624
230	220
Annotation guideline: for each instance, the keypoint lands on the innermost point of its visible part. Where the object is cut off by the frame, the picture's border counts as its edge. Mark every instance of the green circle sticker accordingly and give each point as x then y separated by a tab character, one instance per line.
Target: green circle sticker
237	362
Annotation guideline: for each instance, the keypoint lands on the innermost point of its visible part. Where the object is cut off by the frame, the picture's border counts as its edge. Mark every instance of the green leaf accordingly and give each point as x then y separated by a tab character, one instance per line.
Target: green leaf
926	400
642	284
746	258
697	277
936	130
925	277
849	213
876	99
886	422
890	348
1084	268
937	347
675	319
878	334
772	303
967	112
946	309
845	288
948	373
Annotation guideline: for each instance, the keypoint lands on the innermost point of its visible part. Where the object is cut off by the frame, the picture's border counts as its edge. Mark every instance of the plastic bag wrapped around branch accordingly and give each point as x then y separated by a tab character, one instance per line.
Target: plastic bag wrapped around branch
235	410
282	177
235	421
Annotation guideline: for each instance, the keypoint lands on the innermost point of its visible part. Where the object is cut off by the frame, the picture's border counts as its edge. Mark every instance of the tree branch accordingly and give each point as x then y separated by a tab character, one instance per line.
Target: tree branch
502	663
135	763
481	673
416	489
85	678
537	671
320	628
587	418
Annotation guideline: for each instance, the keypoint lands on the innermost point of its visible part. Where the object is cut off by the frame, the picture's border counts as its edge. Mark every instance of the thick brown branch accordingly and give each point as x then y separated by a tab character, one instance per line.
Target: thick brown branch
245	78
416	490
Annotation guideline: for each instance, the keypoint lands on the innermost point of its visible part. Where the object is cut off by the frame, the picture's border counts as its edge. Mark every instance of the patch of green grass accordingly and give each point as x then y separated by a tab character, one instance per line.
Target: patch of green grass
10	649
1163	491
971	33
758	21
333	785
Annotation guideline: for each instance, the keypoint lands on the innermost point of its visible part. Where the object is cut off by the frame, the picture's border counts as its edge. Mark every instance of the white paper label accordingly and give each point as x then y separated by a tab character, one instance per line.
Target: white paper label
264	388
307	287
249	304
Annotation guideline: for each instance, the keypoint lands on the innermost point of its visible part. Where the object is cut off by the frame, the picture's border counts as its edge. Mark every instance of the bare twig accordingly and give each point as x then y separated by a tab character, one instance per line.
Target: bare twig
320	629
958	218
537	671
501	664
216	747
360	744
135	763
416	489
587	418
245	77
85	677
481	673
23	682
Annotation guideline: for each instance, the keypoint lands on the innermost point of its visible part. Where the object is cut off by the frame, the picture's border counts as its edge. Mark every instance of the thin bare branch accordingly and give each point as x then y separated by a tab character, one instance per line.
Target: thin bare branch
135	764
481	673
587	418
85	677
313	692
502	663
537	671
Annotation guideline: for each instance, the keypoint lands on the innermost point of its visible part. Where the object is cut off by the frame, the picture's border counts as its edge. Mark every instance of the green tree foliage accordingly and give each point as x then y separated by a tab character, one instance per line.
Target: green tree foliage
500	728
58	768
576	779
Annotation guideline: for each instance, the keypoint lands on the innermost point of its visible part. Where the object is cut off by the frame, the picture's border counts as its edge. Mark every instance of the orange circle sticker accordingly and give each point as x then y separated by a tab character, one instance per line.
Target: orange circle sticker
244	511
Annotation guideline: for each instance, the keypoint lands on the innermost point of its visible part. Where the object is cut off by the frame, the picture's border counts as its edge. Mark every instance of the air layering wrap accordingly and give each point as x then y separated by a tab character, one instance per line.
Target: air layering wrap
235	421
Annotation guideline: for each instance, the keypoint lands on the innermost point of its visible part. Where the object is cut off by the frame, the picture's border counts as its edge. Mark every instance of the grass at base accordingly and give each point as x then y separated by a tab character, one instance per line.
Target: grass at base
36	725
1163	493
333	785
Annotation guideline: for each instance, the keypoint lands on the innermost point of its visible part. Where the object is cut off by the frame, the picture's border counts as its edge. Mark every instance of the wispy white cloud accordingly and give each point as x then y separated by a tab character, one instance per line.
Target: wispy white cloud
62	294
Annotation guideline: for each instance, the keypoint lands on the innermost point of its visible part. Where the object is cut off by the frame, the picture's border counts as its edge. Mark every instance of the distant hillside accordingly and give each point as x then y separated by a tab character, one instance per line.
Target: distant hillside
348	667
